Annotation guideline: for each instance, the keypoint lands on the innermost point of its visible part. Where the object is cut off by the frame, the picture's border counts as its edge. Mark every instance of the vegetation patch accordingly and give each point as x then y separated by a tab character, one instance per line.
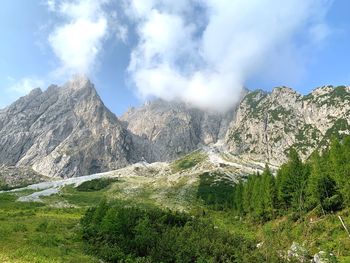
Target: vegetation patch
307	137
335	131
34	232
215	191
188	161
253	100
279	114
338	94
122	232
96	184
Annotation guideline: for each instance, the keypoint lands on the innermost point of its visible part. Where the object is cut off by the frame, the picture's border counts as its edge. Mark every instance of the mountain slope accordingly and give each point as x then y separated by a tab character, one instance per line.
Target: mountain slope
64	131
267	125
67	131
167	130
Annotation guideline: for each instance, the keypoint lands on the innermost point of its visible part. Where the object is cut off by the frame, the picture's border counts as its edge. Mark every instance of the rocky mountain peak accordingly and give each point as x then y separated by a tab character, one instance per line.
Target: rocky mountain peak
322	90
284	91
268	125
79	82
35	92
166	130
64	131
67	131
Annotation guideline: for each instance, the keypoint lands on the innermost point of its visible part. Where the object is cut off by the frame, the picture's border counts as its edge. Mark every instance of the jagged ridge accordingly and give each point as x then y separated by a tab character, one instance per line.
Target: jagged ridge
67	131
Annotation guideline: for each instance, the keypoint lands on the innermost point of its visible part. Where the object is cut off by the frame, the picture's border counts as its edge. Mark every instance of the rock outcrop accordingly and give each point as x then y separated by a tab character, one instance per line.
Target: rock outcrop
65	131
267	125
167	130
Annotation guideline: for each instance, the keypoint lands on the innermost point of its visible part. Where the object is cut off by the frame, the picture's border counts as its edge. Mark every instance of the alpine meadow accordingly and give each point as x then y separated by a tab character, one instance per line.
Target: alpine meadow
188	131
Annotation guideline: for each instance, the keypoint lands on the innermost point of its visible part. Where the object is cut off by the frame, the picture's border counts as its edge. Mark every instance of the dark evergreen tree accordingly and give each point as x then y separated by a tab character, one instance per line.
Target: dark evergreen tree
269	194
238	198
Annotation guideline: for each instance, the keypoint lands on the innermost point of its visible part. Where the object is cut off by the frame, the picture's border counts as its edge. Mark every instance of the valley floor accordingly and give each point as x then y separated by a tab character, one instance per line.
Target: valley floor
48	230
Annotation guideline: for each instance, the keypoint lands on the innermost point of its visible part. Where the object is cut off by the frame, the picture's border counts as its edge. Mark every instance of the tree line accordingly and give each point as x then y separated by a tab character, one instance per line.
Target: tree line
321	183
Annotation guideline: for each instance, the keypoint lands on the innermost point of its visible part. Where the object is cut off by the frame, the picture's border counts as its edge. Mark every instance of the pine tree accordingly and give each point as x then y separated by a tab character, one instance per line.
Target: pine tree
292	182
238	198
345	173
247	195
268	193
257	202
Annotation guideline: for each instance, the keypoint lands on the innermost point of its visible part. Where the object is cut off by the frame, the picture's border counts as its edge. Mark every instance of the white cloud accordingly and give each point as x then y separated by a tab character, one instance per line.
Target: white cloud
205	59
25	85
17	88
77	44
78	41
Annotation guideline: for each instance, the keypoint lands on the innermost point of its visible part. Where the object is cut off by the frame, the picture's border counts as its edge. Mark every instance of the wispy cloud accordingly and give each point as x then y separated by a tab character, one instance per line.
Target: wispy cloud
203	51
25	85
78	40
17	88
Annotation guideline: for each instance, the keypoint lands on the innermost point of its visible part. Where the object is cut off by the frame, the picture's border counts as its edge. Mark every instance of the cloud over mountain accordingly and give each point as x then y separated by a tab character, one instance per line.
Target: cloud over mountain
78	39
203	51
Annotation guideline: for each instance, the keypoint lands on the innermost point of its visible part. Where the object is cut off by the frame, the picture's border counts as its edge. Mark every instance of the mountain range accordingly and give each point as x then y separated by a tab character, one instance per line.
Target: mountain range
67	131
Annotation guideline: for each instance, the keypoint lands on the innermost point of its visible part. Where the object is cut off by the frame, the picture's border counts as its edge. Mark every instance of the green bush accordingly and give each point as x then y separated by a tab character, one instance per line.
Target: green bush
118	232
188	161
95	185
216	192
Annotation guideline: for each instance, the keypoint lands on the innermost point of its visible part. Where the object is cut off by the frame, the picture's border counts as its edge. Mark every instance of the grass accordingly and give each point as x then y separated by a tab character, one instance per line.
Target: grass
188	161
34	232
96	184
49	231
316	234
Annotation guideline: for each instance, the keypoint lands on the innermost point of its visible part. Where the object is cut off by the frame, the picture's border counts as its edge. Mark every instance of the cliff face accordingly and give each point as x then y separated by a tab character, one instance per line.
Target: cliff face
64	131
267	125
167	130
67	131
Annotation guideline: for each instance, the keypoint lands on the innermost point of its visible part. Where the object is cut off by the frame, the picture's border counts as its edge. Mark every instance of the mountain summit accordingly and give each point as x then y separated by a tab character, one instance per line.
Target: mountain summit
67	131
64	131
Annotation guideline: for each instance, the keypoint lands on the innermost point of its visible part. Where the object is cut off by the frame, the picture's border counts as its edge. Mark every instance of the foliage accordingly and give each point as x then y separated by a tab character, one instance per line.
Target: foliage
215	191
33	232
120	232
323	183
188	161
95	185
299	203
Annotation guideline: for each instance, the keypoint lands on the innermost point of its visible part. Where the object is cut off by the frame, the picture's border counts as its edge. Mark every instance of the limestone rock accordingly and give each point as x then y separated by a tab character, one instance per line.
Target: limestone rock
167	130
267	125
65	131
298	252
324	257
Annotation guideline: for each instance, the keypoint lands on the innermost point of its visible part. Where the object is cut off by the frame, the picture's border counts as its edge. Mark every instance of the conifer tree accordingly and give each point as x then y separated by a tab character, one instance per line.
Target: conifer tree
268	193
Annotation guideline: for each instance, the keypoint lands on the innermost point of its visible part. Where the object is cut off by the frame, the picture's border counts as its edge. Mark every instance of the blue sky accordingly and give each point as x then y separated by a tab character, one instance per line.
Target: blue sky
126	35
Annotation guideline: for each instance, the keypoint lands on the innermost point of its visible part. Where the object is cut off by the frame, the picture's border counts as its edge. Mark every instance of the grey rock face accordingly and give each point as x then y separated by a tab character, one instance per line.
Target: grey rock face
166	130
67	131
64	131
267	125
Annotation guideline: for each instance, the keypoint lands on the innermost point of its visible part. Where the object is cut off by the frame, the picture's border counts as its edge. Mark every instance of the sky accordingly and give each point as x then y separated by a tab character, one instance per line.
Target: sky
202	52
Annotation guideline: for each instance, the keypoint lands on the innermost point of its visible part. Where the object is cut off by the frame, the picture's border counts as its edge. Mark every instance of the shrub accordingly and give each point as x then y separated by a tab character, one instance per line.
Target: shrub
95	185
118	232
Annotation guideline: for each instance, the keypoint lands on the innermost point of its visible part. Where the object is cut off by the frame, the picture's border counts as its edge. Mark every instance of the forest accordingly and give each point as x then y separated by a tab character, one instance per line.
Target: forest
321	184
120	232
117	231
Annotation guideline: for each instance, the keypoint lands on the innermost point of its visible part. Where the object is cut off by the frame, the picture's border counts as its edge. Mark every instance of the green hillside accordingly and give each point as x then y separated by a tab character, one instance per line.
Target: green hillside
188	216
